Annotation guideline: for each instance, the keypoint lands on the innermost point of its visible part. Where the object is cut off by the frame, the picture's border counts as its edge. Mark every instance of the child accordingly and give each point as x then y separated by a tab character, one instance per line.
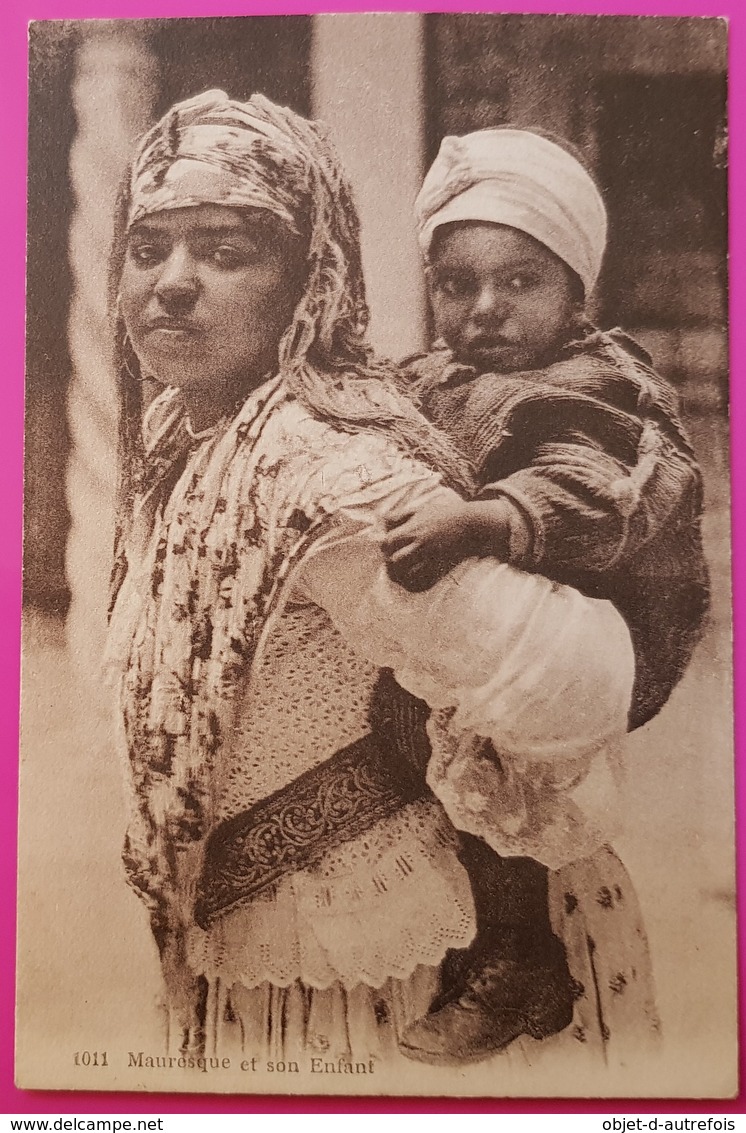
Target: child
585	476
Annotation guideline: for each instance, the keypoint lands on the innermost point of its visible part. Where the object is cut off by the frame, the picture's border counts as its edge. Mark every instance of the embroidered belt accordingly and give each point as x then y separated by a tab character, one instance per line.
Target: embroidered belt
322	809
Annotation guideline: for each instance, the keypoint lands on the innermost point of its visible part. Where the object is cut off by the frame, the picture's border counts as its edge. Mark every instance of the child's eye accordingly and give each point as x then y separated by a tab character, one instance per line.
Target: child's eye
226	256
455	286
523	281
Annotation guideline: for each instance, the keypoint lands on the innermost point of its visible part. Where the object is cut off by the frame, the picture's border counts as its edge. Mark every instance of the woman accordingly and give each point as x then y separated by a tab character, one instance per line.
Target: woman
301	890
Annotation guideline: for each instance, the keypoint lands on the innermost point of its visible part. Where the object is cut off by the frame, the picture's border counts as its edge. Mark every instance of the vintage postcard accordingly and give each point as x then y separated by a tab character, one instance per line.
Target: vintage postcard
376	706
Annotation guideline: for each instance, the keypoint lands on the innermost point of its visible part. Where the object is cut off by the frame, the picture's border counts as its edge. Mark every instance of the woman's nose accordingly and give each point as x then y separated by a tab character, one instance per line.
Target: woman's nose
178	283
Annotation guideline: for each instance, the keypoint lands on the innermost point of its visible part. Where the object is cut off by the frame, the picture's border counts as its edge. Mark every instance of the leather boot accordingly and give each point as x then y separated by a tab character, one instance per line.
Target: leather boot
512	980
500	1000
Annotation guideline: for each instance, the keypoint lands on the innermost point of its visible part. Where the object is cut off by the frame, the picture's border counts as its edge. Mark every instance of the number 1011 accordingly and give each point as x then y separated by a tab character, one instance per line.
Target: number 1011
90	1058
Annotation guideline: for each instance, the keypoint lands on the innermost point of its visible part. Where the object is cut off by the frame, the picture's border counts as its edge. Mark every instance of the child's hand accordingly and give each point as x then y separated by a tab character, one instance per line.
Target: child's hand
422	547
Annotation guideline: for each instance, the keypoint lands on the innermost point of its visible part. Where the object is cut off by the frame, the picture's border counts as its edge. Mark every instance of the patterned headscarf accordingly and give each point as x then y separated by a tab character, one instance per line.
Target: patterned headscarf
214	150
210	150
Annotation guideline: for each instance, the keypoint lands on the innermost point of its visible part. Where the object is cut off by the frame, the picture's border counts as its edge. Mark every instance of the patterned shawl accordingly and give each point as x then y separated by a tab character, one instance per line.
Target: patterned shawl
212	530
216	556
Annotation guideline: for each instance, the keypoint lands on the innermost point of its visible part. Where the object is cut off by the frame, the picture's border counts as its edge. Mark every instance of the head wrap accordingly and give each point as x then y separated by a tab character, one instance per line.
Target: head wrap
523	180
211	150
214	150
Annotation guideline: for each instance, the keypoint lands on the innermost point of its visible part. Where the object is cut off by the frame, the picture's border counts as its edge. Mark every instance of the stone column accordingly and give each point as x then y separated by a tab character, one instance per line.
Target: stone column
368	87
114	91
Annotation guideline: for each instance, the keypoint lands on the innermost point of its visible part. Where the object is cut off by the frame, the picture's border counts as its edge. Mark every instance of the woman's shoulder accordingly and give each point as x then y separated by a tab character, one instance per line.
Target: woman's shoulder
361	420
343	456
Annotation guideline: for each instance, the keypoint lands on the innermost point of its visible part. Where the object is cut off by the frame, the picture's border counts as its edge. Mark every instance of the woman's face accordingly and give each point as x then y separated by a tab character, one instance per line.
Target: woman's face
206	295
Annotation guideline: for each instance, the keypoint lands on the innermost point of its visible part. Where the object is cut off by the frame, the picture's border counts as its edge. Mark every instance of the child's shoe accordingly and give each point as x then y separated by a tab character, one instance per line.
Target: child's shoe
499	1000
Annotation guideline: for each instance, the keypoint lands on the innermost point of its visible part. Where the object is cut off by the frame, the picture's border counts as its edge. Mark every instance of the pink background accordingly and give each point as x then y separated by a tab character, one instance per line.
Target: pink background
14	18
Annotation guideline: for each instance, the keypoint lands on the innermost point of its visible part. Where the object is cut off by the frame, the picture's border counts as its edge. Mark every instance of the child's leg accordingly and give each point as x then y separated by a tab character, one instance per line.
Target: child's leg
511	899
512	980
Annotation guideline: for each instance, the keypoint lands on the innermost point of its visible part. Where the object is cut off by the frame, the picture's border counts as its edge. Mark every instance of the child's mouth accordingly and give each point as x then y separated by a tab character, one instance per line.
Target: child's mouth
490	349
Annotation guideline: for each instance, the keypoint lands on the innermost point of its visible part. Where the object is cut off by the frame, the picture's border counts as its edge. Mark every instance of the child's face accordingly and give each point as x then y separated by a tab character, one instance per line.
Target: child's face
206	294
500	299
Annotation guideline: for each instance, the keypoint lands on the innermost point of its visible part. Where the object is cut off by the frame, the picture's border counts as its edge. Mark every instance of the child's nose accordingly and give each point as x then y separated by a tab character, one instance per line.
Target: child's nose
491	305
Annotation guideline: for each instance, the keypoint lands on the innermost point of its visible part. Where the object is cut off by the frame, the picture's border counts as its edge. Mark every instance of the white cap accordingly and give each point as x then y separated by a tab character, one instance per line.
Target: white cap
523	180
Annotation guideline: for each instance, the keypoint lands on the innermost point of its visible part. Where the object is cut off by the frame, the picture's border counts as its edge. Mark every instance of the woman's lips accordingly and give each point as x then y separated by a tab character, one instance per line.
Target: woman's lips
172	330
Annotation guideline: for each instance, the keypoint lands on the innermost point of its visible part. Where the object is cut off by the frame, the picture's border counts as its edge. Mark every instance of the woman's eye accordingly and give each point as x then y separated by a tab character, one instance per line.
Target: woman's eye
455	286
145	255
226	256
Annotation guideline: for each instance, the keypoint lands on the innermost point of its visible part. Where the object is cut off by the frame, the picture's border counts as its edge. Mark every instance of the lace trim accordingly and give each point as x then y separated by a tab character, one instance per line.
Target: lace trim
376	907
296	826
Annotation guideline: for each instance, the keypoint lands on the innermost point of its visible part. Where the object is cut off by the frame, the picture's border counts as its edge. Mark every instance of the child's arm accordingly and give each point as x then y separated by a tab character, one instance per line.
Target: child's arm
574	507
589	510
422	546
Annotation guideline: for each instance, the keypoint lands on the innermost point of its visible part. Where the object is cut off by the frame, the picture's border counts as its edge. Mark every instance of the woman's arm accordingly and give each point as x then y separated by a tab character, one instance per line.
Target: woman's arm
536	667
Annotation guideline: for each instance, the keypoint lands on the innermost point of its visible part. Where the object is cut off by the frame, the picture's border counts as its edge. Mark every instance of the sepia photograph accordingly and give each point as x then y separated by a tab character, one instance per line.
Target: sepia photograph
377	722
